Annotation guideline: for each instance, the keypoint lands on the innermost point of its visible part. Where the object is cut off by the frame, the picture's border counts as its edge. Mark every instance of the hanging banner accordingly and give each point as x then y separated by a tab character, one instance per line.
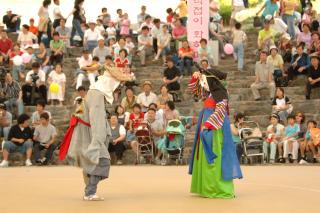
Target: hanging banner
198	23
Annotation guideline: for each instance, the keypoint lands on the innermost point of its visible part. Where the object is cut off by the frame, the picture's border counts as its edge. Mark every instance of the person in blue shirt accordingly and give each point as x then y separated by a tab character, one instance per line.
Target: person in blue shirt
270	7
290	143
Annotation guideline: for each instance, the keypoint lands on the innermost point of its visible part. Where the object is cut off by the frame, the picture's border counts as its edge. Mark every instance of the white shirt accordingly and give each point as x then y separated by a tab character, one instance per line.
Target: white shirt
90	35
83	62
155	32
111	31
26	39
56	12
238	3
122	130
279	26
41	74
146	100
100	29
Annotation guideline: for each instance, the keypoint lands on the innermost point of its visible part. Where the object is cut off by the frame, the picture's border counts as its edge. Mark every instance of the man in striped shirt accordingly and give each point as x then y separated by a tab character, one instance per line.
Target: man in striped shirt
13	94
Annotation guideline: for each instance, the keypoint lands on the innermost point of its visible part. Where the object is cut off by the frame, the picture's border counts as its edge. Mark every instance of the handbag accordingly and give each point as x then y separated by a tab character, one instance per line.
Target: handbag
257	21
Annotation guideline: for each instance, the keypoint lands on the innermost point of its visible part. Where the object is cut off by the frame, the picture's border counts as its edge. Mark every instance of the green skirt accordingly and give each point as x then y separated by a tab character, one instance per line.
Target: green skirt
207	179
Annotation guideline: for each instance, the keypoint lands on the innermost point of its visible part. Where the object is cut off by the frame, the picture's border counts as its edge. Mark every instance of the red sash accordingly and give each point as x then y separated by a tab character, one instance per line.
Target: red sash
67	137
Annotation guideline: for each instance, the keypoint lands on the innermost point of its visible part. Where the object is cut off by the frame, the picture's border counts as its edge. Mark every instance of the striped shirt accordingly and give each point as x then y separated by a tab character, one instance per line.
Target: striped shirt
12	90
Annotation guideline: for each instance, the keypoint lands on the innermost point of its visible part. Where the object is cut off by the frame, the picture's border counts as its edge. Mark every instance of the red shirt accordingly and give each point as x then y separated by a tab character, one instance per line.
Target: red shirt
136	121
169	18
121	63
33	29
5	45
12	55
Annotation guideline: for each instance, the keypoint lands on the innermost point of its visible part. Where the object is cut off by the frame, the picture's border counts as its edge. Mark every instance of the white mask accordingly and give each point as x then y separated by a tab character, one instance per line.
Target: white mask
204	82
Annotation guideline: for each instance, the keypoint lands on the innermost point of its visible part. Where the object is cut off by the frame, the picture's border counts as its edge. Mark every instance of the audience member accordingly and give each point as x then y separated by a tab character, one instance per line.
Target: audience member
270	7
313	75
186	55
125	25
5	121
101	51
278	65
183	11
179	33
144	45
105	17
64	32
57	49
91	36
13	95
305	35
266	36
78	18
147	96
164	97
142	15
26	38
33	28
239	39
58	78
129	100
307	144
12	21
299	63
6	46
57	15
42	57
40	108
281	105
155	33
238	119
288	9
170	112
90	71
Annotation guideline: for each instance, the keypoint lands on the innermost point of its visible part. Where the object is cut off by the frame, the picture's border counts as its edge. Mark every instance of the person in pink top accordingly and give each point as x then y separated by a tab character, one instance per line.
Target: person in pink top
125	25
179	33
305	35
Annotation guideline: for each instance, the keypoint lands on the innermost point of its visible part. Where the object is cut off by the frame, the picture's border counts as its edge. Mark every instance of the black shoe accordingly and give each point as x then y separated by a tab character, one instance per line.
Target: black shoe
282	160
314	160
39	162
290	158
308	97
257	99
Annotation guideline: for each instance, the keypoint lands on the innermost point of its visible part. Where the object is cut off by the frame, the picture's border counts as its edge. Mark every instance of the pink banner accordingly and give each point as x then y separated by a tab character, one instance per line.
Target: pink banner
198	23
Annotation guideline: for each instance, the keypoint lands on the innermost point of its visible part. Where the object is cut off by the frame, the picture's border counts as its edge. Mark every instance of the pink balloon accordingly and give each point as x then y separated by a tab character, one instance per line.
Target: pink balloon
228	49
26	58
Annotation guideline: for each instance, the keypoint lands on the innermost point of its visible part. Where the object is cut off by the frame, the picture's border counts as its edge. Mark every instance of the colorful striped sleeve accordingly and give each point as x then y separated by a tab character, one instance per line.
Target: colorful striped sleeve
215	121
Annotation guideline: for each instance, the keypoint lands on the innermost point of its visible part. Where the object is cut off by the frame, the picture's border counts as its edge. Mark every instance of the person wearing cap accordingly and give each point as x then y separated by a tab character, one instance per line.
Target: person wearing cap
299	63
278	65
5	121
34	78
266	36
142	16
64	32
147	96
33	28
315	43
6	46
313	75
270	7
13	94
264	78
26	38
91	36
275	135
101	51
57	49
12	21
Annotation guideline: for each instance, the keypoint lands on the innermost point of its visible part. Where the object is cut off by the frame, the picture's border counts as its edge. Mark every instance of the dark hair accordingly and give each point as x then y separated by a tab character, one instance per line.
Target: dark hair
165	26
238	116
104	9
63	19
125	51
145	28
42	103
204	60
162	86
290	117
148	16
116	109
302	45
302	115
274	115
55	34
281	89
156	20
136	106
84	51
46	3
169	10
35	65
153	104
22	118
3	106
307	25
77	2
312	121
95	58
169	58
118	10
129	88
238	25
58	64
26	27
81	88
113	114
203	40
45	116
108	57
170	105
122	38
151	109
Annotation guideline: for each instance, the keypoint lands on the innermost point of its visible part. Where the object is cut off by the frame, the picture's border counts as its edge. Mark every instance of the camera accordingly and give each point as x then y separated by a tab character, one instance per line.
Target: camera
34	78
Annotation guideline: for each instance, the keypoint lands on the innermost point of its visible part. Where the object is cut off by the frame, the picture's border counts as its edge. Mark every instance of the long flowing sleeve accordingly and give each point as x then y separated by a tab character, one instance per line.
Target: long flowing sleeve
216	120
117	74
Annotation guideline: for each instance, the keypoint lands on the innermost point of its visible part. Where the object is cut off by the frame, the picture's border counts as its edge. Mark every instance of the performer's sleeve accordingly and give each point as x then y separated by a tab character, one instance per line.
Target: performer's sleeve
118	74
215	121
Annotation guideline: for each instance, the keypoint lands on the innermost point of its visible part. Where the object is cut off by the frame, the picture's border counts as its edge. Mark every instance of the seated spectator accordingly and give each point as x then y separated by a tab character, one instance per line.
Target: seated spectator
285	48
130	47
125	25
307	144
17	71
159	113
170	112
157	131
275	135
300	119
82	92
238	119
281	105
100	28
122	115
288	150
35	86
163	44
64	32
305	35
26	38
19	140
13	94
5	121
91	36
277	25
90	72
204	51
44	137
264	79
121	44
278	65
12	21
118	133
171	76
239	39
186	58
122	61
42	57
101	51
6	46
147	23
147	96
33	28
111	43
111	31
179	33
164	97
315	43
313	75
266	36
129	100
155	32
57	49
299	63
144	45
40	108
58	77
135	118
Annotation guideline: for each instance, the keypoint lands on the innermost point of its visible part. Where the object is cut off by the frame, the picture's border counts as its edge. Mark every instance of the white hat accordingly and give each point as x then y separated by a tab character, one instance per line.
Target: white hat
268	17
9	10
100	38
273	47
286	36
92	21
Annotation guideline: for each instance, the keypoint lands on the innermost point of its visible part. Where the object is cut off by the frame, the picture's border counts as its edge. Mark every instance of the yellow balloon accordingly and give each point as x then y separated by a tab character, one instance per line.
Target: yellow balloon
54	88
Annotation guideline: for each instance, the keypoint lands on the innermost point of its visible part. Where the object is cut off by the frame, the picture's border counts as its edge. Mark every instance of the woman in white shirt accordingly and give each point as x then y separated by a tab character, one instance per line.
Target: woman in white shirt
26	38
91	37
281	105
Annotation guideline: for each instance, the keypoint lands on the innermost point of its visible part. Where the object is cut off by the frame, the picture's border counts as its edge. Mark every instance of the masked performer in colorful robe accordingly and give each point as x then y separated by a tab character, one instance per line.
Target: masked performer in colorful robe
86	141
213	162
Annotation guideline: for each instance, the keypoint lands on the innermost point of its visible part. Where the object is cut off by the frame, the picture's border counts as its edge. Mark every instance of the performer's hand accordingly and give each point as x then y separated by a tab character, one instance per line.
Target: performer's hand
196	74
